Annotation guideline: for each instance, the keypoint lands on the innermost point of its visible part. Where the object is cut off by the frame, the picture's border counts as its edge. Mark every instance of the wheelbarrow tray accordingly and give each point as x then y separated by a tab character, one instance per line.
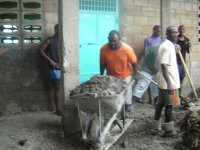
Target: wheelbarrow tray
90	102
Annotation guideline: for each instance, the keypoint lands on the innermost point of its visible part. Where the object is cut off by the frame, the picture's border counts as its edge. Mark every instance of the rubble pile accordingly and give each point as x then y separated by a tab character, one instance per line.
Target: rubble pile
190	100
190	126
101	85
192	97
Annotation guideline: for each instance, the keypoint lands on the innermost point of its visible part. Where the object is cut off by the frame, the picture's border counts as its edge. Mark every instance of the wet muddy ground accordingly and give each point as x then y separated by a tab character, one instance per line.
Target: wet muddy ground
42	131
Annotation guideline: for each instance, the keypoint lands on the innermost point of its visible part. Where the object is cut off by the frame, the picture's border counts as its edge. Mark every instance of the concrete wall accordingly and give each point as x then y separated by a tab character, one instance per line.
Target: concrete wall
70	45
23	81
23	74
51	16
185	13
138	17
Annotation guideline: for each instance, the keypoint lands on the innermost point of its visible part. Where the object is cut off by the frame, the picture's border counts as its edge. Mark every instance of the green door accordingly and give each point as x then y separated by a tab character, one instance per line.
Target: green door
96	22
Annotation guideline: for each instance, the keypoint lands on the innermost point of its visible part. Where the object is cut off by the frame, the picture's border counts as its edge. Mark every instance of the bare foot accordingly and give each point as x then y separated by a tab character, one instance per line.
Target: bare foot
150	102
57	112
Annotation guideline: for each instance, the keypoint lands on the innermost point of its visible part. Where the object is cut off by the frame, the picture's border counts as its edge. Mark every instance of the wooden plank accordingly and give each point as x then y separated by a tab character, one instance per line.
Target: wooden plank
115	134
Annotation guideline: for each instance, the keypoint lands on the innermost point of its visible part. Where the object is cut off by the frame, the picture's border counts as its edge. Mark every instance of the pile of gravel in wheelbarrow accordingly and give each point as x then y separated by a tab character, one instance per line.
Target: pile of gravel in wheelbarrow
190	126
101	85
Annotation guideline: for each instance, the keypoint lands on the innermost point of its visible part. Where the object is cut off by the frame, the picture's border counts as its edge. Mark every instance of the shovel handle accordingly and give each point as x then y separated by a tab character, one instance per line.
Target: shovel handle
186	70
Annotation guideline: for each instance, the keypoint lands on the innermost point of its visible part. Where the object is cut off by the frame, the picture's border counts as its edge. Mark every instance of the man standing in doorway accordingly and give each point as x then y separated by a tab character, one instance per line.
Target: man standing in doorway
168	81
119	60
49	50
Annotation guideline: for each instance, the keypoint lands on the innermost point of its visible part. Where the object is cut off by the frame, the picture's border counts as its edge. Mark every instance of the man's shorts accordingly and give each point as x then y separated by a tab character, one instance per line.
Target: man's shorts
128	80
142	84
164	97
56	84
55	78
181	71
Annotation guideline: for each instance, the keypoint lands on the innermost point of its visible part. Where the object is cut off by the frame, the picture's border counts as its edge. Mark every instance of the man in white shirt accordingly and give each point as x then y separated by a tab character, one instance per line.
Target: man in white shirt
168	81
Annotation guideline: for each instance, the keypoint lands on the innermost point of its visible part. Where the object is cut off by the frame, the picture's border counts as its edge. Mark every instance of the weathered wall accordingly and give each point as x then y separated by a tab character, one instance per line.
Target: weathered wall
138	17
51	16
23	84
23	74
185	13
70	46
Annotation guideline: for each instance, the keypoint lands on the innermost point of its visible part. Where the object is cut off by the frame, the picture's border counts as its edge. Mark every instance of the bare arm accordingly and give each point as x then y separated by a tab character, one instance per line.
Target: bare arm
42	50
166	76
140	55
189	46
102	69
134	66
142	52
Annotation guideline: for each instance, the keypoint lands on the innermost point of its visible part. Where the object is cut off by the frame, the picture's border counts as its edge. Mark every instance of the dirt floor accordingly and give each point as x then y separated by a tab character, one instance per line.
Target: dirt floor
42	131
139	136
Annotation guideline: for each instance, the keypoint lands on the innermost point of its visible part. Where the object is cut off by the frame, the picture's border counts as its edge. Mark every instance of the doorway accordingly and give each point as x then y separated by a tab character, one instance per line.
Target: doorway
97	19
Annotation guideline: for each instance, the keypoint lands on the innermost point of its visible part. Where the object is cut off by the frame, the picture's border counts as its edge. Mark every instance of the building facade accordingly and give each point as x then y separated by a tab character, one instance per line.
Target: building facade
24	24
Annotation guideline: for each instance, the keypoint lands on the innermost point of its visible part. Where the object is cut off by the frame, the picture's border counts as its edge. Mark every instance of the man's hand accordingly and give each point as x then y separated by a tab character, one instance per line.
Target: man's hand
102	68
135	76
189	43
169	89
166	77
177	48
55	64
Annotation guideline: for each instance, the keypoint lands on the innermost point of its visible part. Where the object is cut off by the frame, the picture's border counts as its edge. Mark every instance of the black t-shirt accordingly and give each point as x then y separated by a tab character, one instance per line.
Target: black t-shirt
184	44
53	52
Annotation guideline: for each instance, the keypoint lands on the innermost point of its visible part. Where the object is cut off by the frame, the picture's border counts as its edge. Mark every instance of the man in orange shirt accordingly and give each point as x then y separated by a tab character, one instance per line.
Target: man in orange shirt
119	60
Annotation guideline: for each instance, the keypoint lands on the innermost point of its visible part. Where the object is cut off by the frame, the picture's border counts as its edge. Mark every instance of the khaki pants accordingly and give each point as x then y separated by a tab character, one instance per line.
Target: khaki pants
129	81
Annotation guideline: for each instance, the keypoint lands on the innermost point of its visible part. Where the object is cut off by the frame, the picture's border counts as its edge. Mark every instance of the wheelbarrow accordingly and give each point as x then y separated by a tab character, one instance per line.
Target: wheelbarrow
101	126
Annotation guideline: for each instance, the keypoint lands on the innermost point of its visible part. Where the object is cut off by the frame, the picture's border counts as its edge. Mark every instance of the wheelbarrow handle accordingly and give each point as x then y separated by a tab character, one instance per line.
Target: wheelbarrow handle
147	78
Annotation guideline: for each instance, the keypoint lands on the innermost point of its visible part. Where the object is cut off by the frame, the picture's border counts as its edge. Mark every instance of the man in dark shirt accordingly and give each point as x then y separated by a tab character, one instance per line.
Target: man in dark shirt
49	50
185	45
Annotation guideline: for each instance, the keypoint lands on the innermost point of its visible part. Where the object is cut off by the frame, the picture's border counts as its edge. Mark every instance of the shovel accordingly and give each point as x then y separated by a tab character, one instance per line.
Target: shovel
186	70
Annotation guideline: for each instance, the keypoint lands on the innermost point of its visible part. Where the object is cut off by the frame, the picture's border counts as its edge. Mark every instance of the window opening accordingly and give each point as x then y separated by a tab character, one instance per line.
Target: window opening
32	40
32	16
32	5
8	4
98	5
21	22
8	28
33	28
8	16
9	40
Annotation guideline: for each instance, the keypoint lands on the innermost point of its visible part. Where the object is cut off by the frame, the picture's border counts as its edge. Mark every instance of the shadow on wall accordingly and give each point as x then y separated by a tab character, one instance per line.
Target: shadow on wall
24	81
